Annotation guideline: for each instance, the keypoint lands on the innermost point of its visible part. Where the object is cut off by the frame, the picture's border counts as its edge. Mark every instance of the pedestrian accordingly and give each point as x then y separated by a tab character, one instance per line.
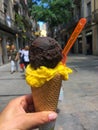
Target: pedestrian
21	59
19	115
14	57
26	56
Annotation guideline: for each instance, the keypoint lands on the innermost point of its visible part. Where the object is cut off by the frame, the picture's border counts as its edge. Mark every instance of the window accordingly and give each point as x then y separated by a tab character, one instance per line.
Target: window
89	8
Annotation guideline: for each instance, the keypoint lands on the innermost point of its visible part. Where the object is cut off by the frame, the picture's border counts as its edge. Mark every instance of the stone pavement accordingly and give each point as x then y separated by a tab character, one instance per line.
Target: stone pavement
11	85
79	107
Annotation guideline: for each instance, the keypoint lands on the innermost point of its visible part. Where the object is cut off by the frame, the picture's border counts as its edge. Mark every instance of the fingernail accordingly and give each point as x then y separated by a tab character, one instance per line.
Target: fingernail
52	116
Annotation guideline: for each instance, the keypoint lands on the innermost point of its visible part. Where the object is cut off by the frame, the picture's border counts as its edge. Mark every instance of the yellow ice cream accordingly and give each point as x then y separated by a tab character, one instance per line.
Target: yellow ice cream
36	78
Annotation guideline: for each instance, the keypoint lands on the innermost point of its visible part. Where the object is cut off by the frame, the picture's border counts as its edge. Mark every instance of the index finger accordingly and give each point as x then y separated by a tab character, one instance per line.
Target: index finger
27	103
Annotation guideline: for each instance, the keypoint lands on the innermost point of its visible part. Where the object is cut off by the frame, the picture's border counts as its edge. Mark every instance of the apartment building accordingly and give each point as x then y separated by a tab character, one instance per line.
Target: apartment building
87	41
95	26
15	26
7	28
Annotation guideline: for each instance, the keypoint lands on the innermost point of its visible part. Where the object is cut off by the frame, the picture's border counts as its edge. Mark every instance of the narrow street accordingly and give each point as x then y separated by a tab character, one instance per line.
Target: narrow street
79	107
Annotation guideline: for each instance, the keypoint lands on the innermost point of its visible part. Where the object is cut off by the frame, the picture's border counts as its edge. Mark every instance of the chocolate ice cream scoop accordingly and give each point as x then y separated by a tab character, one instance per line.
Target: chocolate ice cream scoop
45	51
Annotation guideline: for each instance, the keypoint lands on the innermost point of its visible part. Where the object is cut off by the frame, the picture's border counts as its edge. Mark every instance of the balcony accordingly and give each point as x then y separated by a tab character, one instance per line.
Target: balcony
23	3
7	24
16	6
95	16
27	21
77	2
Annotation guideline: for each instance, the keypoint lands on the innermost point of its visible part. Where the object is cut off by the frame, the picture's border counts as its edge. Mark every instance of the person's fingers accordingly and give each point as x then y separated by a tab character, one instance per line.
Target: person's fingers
18	100
29	99
27	103
35	119
23	101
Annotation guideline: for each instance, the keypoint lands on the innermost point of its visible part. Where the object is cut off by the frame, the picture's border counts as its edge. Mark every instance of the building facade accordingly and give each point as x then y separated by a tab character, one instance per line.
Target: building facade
15	26
87	41
7	28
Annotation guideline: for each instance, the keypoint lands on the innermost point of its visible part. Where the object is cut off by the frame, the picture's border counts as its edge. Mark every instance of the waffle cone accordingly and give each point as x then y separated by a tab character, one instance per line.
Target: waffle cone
46	96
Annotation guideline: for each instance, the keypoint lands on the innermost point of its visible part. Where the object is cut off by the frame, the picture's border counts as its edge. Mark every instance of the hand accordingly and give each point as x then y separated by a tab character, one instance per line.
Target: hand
17	115
17	57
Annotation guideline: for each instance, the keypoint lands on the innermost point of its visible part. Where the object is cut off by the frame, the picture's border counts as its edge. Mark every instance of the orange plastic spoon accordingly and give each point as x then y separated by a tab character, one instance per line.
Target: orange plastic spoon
73	38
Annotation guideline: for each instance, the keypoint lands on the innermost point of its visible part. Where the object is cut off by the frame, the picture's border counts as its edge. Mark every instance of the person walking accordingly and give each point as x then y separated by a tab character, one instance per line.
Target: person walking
21	60
14	56
26	56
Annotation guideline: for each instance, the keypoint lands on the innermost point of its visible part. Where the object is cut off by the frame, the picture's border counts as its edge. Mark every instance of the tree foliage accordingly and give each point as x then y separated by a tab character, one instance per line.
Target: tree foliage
19	21
54	12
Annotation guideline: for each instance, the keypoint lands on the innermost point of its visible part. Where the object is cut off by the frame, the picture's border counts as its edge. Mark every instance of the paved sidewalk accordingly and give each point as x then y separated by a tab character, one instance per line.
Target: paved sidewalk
79	107
11	85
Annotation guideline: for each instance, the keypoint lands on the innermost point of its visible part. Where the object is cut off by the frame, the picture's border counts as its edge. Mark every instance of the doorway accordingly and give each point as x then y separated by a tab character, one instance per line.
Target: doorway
80	49
89	45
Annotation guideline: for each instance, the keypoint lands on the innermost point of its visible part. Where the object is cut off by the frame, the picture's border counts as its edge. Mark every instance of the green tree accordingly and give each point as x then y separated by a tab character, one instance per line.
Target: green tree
29	6
19	21
54	12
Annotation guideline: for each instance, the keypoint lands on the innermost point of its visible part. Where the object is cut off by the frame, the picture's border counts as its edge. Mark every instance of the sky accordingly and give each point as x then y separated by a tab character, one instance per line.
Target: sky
40	23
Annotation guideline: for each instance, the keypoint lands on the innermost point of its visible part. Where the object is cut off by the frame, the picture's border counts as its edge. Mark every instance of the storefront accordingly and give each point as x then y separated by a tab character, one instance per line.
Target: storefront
6	40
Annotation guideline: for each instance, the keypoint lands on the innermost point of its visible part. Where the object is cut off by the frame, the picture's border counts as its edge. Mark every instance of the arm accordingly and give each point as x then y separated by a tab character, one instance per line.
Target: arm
17	57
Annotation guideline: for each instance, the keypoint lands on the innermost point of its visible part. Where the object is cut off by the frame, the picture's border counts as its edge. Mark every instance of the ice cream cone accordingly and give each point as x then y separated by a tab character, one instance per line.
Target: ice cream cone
46	98
44	74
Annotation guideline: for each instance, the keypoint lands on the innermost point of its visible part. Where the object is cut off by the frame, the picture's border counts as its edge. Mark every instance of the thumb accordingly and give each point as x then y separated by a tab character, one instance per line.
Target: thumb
32	120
